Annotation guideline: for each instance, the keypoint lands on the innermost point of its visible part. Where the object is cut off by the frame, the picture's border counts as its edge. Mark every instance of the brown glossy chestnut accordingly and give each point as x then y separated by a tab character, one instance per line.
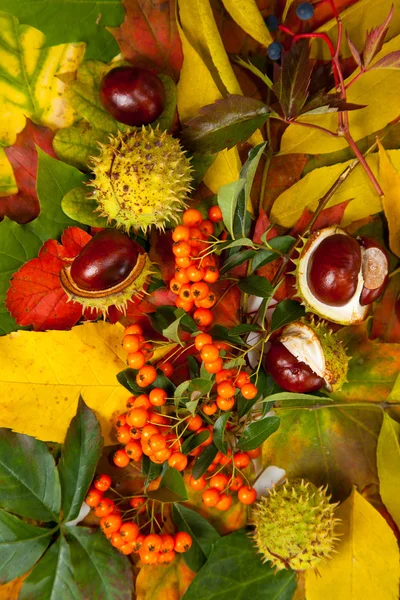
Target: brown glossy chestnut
289	373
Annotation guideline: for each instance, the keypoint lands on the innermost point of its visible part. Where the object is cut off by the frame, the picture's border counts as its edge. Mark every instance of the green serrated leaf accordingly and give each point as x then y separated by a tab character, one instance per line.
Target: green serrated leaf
256	433
100	571
30	486
201	531
172	488
219	432
204	461
53	576
256	286
81	453
235	570
21	545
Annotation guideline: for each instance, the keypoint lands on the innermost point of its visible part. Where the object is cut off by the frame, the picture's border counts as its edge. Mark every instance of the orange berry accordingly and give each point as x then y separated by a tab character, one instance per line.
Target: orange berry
211	275
215	214
163	454
154	485
180	233
158	397
199	291
211	468
121	419
156	418
219	482
203	317
241	460
165	558
192	217
93	498
104	508
142	401
207	228
236	483
138	543
121	459
182	541
215	366
225	403
224	375
208	302
254	453
208	261
242	379
147	350
131	343
129	531
209	353
111	523
147	557
166	367
247	494
175	285
167	543
152	542
195	274
178	461
183	261
157	442
146	376
225	502
181	249
134	329
249	391
137	417
194	423
226	389
209	408
221	346
136	360
184	305
148	431
210	497
124	434
184	293
117	540
134	450
102	482
225	460
130	403
196	239
136	433
127	548
197	484
138	503
181	275
201	340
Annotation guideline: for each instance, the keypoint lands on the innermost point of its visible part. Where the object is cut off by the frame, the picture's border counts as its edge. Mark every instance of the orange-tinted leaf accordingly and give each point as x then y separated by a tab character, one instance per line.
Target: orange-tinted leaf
329	216
386	323
163	582
226	311
149	37
283	172
24	206
35	296
161	253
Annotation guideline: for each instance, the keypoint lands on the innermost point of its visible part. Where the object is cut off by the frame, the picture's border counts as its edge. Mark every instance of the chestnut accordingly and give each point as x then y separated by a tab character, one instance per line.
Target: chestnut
289	373
105	261
375	270
132	95
333	270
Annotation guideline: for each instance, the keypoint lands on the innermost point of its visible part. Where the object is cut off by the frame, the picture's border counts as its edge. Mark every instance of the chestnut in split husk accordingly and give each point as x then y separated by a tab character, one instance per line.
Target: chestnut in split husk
290	373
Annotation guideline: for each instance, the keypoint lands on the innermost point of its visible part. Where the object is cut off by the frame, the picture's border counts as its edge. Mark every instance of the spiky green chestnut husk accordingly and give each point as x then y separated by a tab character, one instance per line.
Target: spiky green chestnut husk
133	288
317	345
141	179
294	526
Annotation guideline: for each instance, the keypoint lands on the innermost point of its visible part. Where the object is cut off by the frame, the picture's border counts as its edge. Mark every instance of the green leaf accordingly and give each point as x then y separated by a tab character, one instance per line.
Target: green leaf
244	405
201	385
20	243
244	241
256	286
219	432
127	378
165	120
224	124
72	21
204	461
153	472
243	328
30	486
388	459
194	441
53	576
78	205
249	168
200	164
281	244
172	488
183	321
235	570
21	545
263	257
228	195
286	312
80	455
100	571
256	433
75	145
236	259
201	531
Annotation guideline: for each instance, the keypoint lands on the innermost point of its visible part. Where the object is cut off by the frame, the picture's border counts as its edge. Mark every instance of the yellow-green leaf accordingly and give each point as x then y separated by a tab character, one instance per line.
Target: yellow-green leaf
29	86
388	458
389	180
366	565
289	206
196	88
377	89
163	582
43	374
8	184
248	17
357	20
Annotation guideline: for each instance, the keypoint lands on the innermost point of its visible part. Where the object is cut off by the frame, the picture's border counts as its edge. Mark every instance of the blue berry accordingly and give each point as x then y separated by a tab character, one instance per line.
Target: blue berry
272	23
305	11
274	51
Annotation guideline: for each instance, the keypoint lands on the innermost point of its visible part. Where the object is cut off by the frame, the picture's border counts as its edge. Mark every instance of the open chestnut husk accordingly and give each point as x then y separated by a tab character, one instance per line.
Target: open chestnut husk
109	271
337	276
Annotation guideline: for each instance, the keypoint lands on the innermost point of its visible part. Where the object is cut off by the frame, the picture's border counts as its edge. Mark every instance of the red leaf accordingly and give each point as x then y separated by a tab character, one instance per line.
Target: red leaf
385	322
149	36
161	253
24	206
261	227
35	296
227	310
329	216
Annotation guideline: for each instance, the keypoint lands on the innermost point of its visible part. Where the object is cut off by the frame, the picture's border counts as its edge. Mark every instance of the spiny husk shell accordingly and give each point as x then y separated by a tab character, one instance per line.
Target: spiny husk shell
131	288
141	179
335	364
294	526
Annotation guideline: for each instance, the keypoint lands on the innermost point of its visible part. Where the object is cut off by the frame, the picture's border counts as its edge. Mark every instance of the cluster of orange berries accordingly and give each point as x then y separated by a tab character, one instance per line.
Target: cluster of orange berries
125	535
195	268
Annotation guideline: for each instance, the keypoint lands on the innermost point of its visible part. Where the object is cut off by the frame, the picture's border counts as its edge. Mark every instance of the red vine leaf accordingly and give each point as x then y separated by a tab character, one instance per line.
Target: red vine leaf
149	36
35	296
24	206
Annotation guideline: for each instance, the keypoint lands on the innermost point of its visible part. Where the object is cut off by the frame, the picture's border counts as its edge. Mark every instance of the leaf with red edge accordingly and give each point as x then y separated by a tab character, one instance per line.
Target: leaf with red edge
24	206
375	39
329	216
390	61
386	322
35	296
149	36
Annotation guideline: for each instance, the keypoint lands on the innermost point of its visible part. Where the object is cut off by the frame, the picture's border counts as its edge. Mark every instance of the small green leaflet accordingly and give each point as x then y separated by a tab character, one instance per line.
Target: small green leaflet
219	432
204	461
172	488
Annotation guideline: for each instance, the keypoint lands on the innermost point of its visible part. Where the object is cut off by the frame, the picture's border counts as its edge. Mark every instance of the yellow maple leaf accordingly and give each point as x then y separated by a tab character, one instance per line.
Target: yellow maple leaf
249	18
289	206
388	458
366	565
43	374
378	89
389	180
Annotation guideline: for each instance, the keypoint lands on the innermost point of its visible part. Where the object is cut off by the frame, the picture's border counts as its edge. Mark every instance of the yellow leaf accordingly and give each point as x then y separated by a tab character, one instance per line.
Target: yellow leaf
163	582
8	184
248	17
29	86
43	374
377	89
357	20
388	458
196	88
366	566
285	12
389	180
289	206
